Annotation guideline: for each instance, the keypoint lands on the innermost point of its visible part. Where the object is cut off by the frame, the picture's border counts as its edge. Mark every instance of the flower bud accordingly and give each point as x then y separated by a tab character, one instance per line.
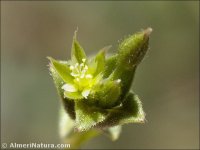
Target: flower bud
130	53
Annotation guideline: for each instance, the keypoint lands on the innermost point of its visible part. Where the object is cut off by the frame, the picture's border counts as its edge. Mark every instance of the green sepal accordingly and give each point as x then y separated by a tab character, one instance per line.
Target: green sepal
77	52
97	63
67	134
62	69
100	61
87	116
73	95
130	111
110	65
59	82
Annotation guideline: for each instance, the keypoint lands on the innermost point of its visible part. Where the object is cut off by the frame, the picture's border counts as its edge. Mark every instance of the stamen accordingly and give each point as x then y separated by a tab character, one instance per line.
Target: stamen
71	67
76	65
79	71
86	67
118	80
84	60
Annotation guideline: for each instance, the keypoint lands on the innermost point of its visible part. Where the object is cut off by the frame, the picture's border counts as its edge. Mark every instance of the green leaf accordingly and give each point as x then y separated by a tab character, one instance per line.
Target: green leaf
113	132
62	69
87	116
77	52
130	111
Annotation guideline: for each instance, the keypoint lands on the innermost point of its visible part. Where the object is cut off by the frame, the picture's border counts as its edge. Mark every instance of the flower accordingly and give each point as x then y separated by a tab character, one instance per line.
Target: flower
96	91
82	82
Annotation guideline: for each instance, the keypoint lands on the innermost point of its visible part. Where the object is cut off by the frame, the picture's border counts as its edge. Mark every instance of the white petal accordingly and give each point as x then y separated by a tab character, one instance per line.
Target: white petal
85	93
74	74
88	76
118	80
69	88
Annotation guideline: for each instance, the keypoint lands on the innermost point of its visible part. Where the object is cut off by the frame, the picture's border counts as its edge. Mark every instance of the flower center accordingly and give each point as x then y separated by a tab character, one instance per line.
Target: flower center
79	71
81	74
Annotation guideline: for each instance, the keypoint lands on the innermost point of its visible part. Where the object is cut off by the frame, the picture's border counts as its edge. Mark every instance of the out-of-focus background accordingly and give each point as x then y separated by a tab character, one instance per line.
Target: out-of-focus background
167	81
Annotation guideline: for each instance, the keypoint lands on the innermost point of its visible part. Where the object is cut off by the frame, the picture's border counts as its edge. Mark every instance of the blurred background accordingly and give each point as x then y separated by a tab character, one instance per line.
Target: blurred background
167	81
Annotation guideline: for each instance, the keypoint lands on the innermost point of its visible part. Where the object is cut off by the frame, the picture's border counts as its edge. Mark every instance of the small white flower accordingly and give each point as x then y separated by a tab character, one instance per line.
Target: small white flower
83	80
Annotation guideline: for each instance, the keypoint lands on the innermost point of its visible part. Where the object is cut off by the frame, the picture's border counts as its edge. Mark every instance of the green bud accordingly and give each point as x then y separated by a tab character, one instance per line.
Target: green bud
131	51
106	93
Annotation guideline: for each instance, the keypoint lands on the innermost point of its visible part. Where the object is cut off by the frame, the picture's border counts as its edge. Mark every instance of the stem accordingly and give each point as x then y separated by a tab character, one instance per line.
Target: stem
77	139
